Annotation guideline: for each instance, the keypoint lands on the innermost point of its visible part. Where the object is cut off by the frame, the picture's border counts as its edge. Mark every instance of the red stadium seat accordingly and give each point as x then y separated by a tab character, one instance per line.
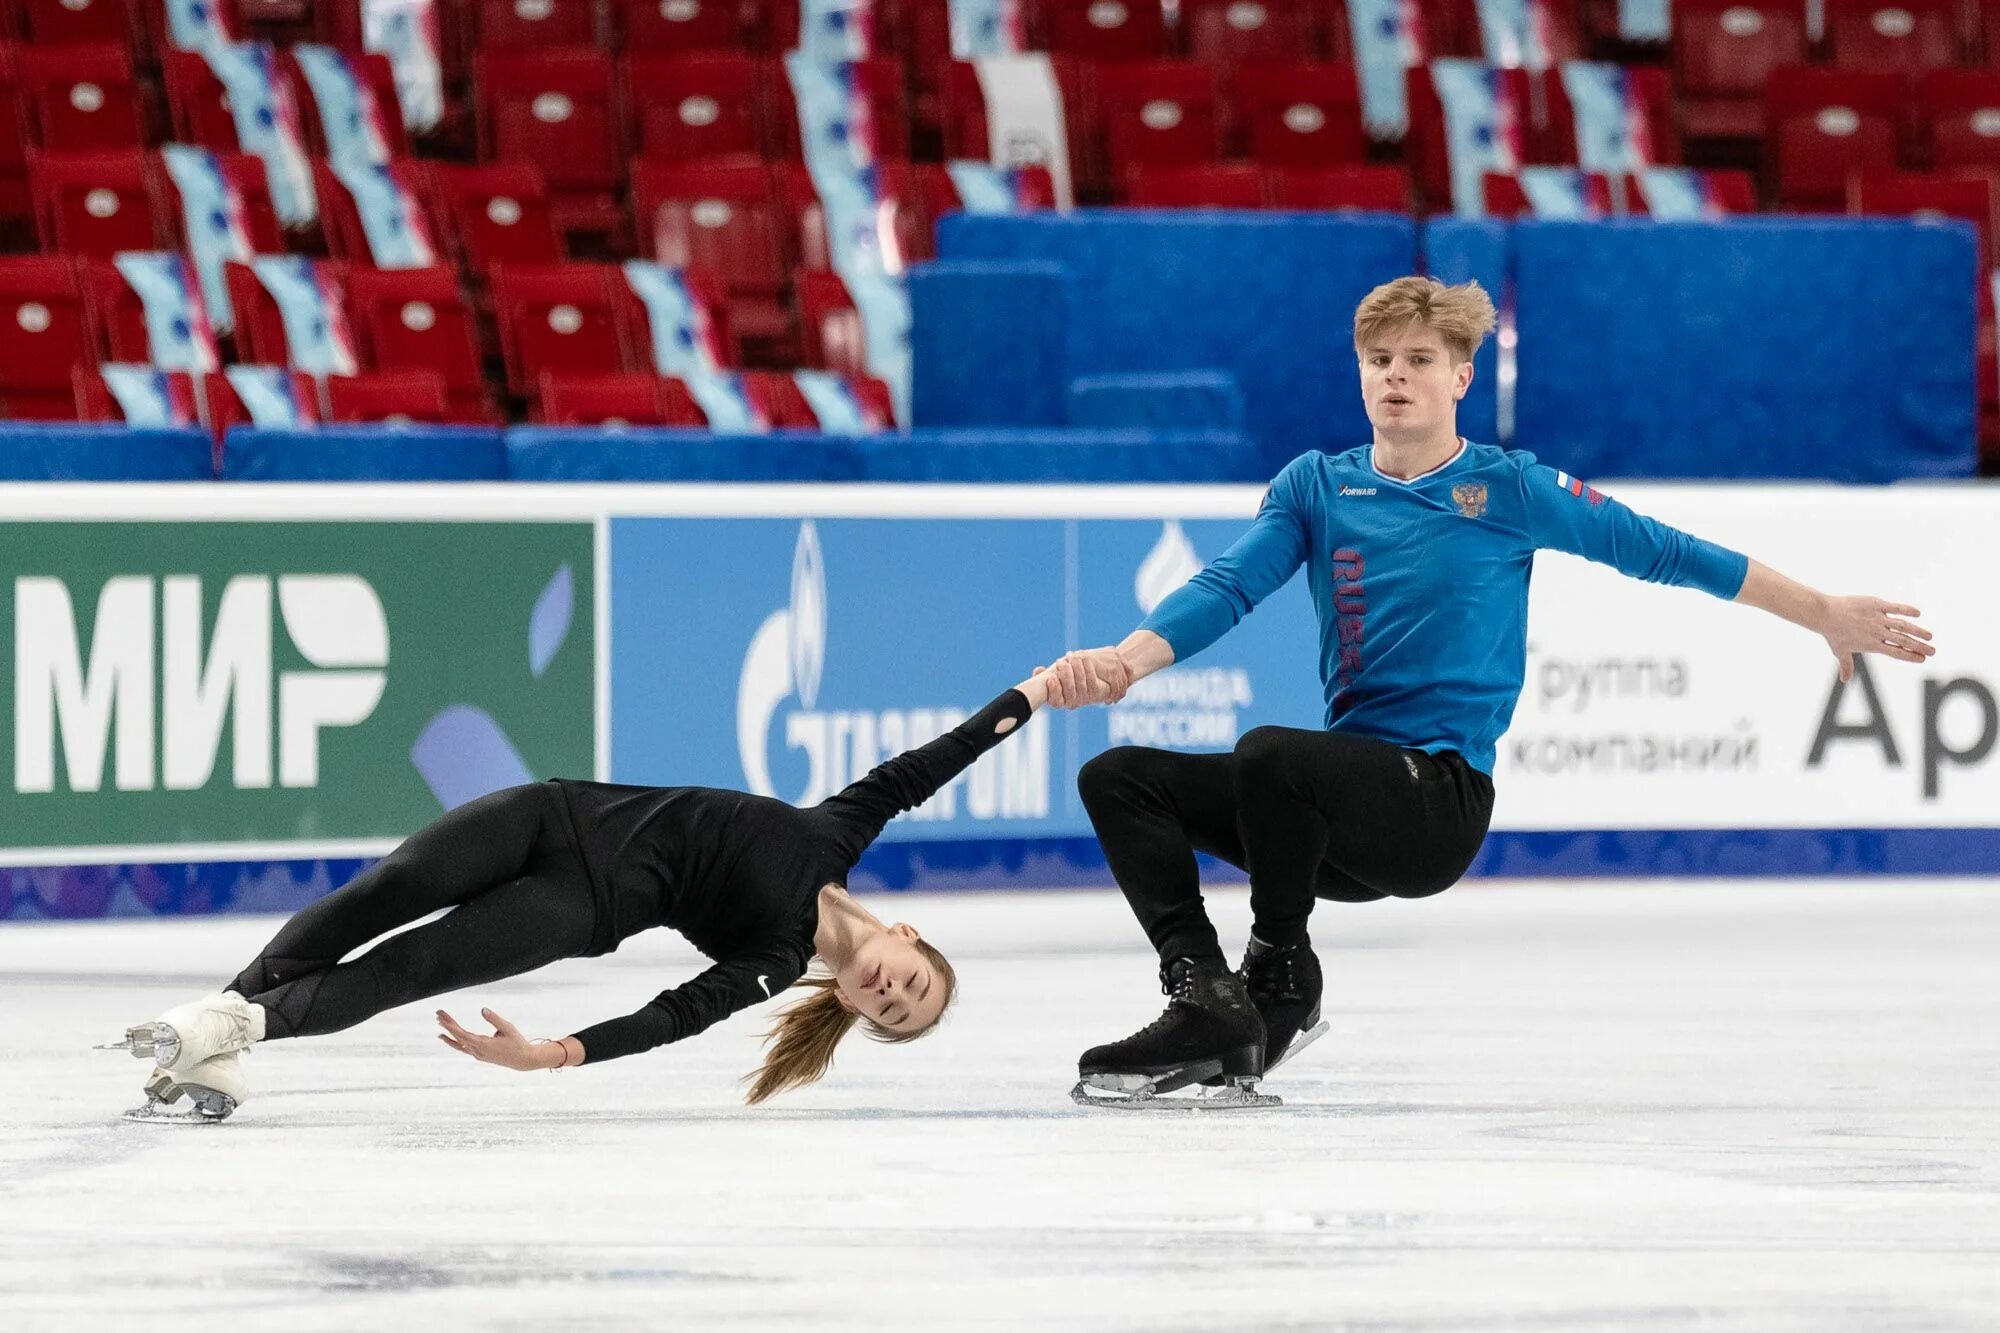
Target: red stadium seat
340	223
1426	148
684	107
43	333
1036	190
1298	113
1654	94
260	330
117	316
1227	32
1827	125
390	395
532	25
1958	115
833	337
95	203
80	23
245	173
1212	185
497	214
94	400
1909	35
196	102
1157	113
1106	29
380	80
225	407
419	319
1728	192
964	125
616	400
16	212
723	218
1335	189
903	224
556	109
82	98
677	27
566	319
1561	32
1506	199
779	400
879	80
1724	52
1922	195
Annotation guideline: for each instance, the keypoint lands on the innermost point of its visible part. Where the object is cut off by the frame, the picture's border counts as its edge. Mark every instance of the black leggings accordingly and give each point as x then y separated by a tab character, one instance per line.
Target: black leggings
519	896
1310	814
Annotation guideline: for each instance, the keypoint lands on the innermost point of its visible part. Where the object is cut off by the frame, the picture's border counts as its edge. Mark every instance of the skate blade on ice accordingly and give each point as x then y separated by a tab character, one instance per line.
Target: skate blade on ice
1299	1043
1112	1091
205	1106
148	1041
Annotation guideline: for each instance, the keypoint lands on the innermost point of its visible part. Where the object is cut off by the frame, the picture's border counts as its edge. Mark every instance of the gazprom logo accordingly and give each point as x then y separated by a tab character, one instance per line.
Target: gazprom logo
785	664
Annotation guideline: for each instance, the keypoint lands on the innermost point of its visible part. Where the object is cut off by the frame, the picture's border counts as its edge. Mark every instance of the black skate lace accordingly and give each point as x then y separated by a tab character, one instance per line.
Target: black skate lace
1274	977
1179	989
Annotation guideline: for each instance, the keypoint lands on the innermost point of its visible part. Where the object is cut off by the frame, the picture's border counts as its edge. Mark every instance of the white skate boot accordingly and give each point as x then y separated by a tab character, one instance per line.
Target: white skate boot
188	1034
213	1089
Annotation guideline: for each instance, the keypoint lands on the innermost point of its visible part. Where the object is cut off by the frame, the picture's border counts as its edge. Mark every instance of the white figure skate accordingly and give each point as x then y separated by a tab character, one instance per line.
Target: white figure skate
213	1089
192	1033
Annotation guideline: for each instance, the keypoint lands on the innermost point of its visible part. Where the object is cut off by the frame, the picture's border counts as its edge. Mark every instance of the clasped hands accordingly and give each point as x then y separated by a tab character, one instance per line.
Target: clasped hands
1086	676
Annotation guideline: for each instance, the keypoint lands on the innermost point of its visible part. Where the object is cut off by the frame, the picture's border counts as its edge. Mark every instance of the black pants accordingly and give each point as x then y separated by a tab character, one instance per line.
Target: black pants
519	899
1310	814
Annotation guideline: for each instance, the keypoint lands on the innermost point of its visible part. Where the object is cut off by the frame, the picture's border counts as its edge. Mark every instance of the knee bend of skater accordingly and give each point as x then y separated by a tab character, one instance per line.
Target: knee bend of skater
1265	756
1109	772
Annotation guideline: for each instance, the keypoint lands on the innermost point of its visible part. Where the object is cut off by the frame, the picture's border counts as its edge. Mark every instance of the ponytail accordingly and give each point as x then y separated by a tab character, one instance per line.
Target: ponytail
799	1049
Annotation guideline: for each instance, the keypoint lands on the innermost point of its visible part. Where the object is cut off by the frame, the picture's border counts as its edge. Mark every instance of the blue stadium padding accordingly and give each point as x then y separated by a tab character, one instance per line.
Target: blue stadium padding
91	892
1193	400
365	453
1267	297
989	344
536	454
1473	250
1839	349
1061	455
66	451
583	454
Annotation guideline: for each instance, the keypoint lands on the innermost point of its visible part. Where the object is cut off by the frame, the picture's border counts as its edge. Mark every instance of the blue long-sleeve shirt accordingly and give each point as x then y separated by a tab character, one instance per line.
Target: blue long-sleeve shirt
1421	586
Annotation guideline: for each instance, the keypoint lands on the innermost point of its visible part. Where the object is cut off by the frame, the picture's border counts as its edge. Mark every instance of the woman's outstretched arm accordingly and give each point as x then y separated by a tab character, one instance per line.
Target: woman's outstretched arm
914	776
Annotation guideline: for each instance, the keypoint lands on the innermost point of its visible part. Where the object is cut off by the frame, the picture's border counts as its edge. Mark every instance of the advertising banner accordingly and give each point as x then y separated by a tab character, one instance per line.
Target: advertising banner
272	684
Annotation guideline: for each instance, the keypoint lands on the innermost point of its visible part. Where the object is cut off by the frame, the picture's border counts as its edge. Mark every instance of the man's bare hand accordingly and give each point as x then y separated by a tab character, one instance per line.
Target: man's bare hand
1870	625
1088	676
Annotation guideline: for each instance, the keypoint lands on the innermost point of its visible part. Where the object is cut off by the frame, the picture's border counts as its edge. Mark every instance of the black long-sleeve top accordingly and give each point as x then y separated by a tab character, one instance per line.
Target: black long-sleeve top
740	875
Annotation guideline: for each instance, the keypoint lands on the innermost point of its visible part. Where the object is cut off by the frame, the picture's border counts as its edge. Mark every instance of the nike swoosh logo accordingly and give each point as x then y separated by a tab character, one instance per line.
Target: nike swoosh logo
765	982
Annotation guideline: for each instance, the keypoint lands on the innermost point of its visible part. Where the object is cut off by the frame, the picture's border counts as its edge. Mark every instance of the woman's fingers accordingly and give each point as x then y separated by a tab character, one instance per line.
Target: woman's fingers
1910	628
500	1025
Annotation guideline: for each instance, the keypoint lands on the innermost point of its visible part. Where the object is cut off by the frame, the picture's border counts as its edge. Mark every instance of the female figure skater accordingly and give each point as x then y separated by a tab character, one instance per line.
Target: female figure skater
1418	549
566	869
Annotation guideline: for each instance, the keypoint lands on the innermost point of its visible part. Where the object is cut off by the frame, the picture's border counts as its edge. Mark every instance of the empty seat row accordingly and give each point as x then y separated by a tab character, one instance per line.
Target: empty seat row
217	401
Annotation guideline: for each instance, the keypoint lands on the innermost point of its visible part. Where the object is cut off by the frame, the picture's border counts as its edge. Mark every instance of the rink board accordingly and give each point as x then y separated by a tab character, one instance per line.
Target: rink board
226	698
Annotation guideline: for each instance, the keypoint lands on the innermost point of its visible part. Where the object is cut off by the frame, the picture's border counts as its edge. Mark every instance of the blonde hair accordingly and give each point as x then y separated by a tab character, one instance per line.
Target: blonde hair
800	1047
1461	315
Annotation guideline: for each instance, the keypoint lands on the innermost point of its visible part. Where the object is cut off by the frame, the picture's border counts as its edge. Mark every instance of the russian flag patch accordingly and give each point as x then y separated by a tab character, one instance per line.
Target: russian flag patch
1578	489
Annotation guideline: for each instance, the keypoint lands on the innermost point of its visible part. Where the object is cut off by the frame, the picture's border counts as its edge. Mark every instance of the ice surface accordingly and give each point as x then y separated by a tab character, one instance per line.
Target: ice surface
1723	1107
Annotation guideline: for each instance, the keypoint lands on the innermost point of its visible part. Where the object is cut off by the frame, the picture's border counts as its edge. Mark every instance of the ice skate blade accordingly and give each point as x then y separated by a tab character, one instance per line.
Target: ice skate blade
1231	1097
148	1041
1299	1043
205	1106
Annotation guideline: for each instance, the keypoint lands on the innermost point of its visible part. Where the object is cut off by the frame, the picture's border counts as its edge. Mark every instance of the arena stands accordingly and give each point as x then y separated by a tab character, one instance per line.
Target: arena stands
702	213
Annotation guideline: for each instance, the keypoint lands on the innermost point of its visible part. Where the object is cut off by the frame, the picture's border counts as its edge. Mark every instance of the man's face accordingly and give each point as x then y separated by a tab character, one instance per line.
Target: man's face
1410	385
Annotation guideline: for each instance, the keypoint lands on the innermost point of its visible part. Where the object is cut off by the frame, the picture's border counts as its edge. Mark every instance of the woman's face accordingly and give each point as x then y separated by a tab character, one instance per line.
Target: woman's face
890	981
1410	385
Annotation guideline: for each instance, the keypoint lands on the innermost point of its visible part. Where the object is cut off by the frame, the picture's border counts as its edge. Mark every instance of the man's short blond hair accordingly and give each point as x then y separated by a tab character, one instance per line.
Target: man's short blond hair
1462	316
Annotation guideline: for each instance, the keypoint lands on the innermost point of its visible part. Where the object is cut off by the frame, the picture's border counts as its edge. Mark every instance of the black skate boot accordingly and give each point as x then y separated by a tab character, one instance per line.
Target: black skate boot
1210	1031
1285	985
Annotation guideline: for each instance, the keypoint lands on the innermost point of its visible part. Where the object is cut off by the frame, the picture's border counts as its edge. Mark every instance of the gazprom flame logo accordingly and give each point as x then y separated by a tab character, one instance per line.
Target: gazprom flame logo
785	662
1182	707
787	655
